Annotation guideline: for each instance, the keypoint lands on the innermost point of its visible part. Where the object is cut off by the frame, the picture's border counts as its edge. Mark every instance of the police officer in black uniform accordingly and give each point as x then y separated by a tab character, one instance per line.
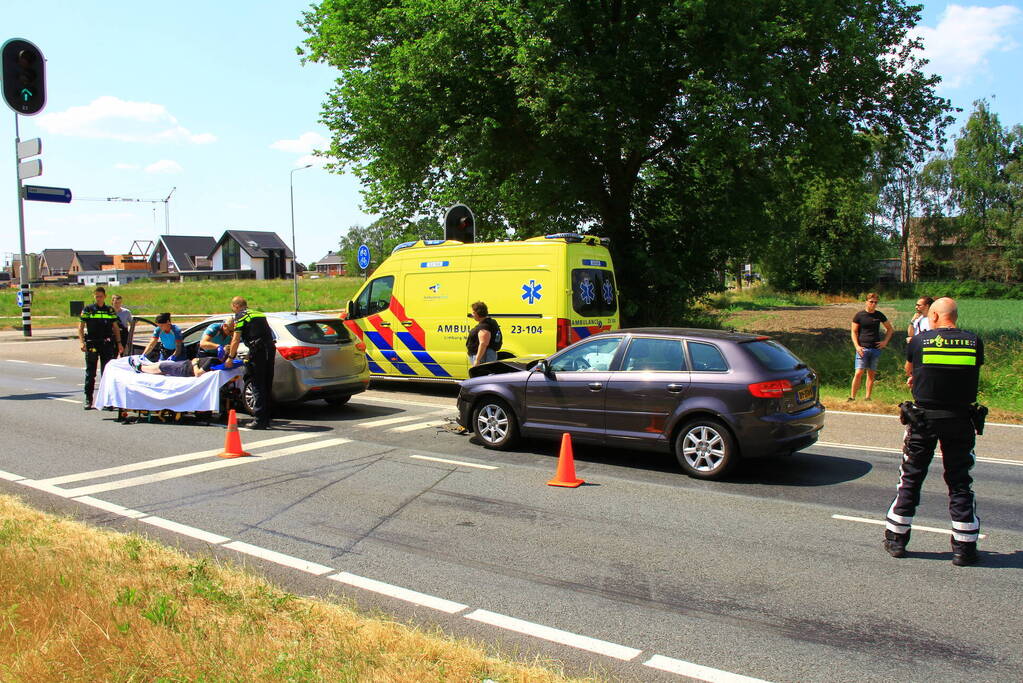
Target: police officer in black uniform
100	336
252	328
943	365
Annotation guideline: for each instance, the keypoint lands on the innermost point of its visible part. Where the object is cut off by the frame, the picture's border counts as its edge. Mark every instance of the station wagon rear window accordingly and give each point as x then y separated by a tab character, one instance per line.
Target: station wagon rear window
593	293
772	355
327	331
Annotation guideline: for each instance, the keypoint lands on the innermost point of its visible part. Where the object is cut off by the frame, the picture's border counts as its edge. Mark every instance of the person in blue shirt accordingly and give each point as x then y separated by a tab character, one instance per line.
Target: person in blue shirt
169	338
216	337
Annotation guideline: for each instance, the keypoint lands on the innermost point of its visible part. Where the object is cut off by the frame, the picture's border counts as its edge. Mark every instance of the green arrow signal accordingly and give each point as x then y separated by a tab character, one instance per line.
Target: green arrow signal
26	94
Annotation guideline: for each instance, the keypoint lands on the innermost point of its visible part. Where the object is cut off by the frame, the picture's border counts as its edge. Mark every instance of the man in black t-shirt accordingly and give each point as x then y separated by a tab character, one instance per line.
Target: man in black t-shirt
943	365
866	339
99	334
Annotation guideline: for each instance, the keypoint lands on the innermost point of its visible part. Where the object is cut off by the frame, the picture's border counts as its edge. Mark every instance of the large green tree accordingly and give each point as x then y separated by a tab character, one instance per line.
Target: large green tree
662	124
382	236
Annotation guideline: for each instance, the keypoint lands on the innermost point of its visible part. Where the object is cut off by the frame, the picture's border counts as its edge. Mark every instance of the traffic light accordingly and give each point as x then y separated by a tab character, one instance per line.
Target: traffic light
459	224
24	77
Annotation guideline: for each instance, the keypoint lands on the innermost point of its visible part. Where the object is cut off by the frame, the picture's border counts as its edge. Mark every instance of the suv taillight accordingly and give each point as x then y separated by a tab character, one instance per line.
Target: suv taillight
564	333
773	389
297	352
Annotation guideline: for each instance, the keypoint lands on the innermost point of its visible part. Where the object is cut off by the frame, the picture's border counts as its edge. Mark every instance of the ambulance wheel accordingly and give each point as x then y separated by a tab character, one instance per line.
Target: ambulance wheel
337	400
495	424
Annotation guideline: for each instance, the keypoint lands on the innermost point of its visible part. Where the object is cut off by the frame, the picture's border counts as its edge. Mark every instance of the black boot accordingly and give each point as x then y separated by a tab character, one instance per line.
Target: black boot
964	554
88	404
895	543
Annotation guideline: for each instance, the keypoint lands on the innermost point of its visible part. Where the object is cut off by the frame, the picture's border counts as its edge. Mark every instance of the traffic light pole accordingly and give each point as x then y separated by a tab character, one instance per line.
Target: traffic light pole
26	293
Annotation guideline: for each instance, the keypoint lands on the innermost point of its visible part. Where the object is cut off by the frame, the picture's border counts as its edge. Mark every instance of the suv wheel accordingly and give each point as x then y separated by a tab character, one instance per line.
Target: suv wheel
495	424
705	449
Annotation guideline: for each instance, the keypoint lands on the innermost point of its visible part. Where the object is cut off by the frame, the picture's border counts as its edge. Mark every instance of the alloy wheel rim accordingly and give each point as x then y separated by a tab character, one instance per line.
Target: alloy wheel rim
492	423
703	448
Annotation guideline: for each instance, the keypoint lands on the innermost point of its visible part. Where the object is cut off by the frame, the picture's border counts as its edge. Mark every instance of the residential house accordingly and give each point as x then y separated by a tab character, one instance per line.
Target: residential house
263	253
182	254
54	264
85	261
331	265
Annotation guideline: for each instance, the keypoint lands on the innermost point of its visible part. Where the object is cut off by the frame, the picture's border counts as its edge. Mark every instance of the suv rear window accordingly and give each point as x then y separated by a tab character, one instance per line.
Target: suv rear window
593	292
327	331
772	355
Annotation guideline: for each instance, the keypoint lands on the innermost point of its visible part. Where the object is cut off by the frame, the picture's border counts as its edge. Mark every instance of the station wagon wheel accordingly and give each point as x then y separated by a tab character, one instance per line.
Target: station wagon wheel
705	449
495	423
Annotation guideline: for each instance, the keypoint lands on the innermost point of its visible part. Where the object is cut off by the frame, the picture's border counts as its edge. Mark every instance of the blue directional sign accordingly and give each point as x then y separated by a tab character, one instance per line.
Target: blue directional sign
363	257
21	299
38	193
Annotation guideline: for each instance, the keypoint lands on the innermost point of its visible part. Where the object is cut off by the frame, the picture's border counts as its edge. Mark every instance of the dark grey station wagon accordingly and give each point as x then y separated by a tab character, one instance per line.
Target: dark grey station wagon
710	397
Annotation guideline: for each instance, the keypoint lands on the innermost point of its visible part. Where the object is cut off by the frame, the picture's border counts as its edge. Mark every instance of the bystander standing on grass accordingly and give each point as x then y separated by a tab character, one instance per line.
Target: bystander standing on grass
866	338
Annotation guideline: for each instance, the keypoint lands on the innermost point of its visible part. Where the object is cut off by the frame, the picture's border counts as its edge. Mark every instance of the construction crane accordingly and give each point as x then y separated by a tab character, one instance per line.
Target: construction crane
165	201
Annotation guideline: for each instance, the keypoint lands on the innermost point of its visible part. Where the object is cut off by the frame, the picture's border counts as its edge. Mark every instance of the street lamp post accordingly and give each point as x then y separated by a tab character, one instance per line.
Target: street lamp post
294	254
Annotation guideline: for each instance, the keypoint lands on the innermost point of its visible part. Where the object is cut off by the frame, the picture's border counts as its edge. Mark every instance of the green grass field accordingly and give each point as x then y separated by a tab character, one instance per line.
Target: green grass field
50	305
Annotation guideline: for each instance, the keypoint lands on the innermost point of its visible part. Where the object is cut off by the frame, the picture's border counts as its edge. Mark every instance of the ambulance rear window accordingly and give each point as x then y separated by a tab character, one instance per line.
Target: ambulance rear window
593	292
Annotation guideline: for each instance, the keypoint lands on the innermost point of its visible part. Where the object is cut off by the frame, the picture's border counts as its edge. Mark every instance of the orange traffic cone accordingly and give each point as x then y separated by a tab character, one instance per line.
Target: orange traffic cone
565	475
233	441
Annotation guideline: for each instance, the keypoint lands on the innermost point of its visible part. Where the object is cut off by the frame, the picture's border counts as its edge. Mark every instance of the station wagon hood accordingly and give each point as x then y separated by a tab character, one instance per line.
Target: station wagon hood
503	366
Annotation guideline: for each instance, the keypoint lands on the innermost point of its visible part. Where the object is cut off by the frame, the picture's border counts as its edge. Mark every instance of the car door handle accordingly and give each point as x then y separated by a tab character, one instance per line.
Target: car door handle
676	388
595	386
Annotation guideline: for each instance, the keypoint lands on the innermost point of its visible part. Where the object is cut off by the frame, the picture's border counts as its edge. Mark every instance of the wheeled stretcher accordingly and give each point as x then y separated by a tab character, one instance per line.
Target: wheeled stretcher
144	397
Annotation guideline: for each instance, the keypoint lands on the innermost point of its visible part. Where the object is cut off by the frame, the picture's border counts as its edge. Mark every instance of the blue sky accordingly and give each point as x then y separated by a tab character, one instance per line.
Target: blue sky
211	99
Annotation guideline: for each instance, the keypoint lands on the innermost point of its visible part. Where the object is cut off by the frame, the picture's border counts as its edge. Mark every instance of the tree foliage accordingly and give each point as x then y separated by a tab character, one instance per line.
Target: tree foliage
382	236
667	125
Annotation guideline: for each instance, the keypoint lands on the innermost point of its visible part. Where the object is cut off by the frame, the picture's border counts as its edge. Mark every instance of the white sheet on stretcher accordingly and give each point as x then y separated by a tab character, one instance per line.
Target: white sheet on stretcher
122	387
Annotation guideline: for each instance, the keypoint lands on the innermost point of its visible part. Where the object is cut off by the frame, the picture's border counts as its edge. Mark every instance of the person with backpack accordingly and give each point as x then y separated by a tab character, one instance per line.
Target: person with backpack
485	339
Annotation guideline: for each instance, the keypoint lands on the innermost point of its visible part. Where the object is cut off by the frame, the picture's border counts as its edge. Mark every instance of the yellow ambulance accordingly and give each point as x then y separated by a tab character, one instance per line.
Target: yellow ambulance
413	314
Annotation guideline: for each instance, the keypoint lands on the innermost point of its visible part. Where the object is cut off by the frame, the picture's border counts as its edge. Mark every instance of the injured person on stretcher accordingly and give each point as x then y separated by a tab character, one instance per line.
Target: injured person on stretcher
177	368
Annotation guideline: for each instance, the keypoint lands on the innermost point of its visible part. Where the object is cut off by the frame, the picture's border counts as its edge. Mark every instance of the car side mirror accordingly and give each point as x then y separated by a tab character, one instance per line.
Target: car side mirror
545	367
350	314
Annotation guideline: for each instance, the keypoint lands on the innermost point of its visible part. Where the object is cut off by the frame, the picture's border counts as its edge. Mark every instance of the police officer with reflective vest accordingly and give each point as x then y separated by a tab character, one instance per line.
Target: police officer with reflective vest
252	328
943	365
100	336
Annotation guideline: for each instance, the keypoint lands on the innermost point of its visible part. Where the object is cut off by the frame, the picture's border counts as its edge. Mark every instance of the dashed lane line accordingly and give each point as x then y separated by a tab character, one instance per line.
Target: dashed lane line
575	640
42	378
883	449
196	469
880	522
23	362
454	462
280	558
417	426
170	460
400	593
700	673
555	635
896	417
65	400
393	420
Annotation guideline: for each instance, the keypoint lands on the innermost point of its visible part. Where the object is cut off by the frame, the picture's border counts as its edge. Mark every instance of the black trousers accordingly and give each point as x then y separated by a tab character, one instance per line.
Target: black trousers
957	439
99	353
260	374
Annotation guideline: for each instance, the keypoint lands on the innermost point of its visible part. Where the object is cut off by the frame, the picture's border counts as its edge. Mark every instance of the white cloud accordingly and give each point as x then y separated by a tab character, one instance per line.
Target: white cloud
164	166
304	146
121	166
111	118
959	45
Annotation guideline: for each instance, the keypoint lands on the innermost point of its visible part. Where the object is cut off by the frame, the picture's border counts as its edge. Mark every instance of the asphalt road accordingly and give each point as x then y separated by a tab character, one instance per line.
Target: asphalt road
641	572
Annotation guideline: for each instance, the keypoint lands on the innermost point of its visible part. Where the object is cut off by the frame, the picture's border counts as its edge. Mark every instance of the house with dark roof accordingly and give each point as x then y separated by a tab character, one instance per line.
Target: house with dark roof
85	261
182	254
55	263
263	253
330	265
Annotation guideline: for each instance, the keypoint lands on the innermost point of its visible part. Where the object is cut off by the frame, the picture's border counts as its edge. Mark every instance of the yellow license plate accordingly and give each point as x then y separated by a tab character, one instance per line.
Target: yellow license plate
805	394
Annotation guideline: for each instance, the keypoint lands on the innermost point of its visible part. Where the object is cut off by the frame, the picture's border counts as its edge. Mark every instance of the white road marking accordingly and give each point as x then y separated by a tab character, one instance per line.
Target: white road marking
280	558
554	635
399	593
895	417
882	449
10	477
24	362
394	401
65	400
196	469
418	425
700	673
391	420
110	507
454	462
40	378
55	365
33	484
880	522
171	460
185	530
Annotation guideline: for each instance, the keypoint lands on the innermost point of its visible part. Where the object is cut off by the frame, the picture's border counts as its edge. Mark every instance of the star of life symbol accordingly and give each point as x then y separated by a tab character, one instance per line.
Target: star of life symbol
587	292
609	292
531	291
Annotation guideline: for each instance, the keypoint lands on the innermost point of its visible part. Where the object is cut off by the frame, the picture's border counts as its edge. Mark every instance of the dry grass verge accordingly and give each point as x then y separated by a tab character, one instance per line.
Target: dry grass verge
85	604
